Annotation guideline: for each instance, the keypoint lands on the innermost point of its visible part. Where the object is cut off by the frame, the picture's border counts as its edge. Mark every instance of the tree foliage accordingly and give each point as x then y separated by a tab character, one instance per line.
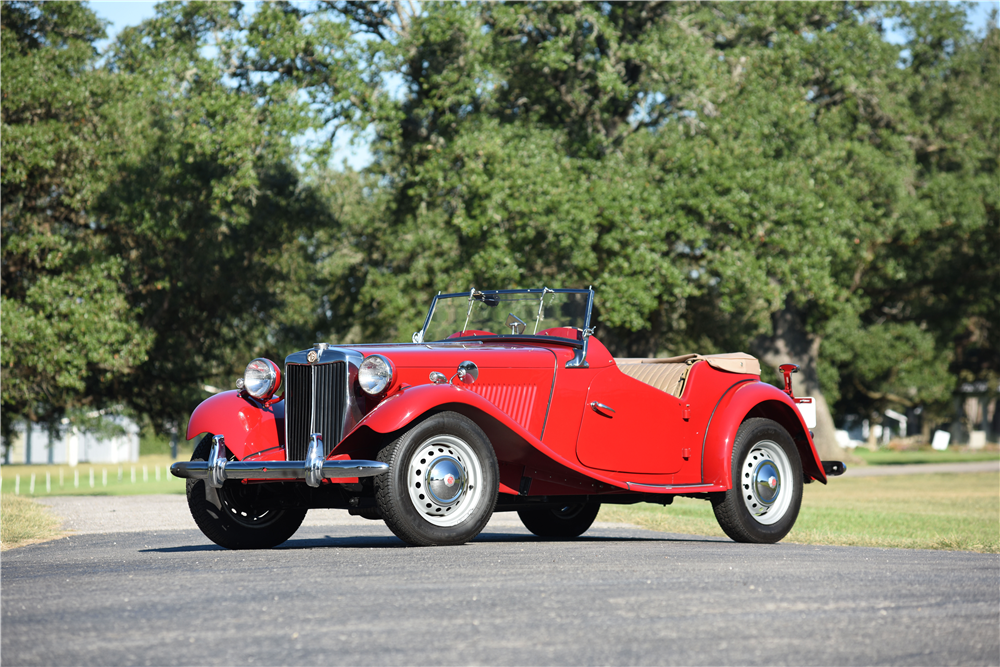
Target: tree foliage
68	332
775	177
152	218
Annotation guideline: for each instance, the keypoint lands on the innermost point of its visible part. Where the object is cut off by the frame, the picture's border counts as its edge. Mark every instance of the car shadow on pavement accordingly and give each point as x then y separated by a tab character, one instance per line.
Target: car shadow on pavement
666	537
329	541
392	542
182	549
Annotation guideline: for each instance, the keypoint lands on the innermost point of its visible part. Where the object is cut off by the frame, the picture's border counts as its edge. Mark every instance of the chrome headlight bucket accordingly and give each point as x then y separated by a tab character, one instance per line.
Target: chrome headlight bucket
375	374
261	378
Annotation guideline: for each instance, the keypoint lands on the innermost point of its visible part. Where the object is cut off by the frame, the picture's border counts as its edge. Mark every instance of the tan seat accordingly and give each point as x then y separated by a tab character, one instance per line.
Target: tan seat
670	374
665	377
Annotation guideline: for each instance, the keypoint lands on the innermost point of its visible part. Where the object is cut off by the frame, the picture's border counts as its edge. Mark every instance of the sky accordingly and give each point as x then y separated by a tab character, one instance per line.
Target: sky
123	14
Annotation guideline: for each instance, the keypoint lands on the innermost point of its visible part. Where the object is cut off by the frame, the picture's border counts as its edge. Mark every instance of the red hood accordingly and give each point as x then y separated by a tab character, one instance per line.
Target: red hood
447	356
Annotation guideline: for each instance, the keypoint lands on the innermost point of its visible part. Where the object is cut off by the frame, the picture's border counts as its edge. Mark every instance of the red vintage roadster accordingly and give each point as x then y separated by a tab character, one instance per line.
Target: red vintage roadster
504	401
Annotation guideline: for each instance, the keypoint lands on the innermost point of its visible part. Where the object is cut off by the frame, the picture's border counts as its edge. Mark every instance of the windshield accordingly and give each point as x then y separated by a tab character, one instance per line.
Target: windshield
506	313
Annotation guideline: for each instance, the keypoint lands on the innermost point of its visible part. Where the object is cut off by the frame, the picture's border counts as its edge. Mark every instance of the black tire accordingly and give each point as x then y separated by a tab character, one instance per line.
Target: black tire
766	493
442	483
227	516
565	522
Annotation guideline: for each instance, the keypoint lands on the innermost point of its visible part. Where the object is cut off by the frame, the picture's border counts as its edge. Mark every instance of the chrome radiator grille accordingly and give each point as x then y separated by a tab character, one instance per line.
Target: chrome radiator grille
315	398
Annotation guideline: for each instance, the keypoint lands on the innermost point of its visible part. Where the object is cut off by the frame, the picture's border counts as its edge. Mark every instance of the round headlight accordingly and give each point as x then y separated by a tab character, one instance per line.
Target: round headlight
261	378
375	374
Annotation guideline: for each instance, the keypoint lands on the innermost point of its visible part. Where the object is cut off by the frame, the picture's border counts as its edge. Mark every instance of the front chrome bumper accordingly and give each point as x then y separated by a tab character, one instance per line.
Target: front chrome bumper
313	470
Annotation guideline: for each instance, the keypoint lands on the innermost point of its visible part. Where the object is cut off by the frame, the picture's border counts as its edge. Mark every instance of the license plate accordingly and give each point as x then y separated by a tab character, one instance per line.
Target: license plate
807	408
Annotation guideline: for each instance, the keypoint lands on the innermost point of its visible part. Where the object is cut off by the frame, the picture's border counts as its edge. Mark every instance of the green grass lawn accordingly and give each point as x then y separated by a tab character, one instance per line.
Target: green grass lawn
927	455
924	511
109	479
939	511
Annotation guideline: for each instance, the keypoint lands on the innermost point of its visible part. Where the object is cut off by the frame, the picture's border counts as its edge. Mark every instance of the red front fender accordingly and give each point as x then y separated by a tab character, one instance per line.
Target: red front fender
248	425
511	442
753	399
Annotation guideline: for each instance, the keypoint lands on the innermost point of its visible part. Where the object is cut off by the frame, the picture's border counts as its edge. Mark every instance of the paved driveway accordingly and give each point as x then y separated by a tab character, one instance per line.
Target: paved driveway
345	591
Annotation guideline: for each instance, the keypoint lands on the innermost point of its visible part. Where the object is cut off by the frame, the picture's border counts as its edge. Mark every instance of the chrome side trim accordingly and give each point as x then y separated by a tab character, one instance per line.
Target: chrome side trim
663	488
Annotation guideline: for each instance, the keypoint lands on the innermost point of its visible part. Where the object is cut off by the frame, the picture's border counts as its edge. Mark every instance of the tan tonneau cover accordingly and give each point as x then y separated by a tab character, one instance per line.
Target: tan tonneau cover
670	374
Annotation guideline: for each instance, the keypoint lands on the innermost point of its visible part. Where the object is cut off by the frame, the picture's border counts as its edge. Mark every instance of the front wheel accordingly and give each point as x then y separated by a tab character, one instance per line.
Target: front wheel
766	492
442	483
564	522
238	516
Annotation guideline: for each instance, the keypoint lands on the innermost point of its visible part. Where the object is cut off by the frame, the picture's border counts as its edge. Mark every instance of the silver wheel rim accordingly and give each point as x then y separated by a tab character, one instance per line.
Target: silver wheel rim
766	482
444	479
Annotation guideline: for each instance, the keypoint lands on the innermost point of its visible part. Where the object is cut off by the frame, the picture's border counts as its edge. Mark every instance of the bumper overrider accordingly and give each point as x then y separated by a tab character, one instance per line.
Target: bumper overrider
313	470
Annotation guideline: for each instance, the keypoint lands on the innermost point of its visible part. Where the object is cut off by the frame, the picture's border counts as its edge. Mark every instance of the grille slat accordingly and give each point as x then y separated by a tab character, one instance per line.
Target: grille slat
327	394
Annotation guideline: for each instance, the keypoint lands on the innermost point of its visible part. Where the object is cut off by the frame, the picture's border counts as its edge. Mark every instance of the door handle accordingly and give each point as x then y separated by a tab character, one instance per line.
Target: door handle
602	409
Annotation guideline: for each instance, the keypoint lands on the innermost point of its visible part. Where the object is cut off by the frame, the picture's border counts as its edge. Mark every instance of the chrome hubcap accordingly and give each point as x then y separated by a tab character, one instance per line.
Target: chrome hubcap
767	484
763	470
444	480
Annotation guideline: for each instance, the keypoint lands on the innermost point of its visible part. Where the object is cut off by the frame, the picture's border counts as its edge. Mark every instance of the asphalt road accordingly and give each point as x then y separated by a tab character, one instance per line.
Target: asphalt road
353	594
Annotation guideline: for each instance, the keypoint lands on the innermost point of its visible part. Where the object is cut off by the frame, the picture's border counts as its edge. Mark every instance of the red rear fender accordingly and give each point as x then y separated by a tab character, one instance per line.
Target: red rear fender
248	426
754	399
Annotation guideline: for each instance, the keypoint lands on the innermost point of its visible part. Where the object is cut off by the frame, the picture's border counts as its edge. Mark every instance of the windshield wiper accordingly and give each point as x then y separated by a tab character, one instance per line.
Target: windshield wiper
491	300
541	306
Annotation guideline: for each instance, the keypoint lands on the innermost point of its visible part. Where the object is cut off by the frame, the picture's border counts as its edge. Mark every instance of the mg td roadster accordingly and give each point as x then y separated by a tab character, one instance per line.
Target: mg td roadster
504	401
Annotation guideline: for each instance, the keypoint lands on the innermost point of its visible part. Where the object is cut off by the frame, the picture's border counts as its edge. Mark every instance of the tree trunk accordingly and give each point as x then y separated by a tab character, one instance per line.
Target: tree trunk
791	343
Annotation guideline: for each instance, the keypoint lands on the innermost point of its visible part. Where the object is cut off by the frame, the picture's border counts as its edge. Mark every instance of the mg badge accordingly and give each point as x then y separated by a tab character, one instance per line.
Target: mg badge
772	482
449	480
312	356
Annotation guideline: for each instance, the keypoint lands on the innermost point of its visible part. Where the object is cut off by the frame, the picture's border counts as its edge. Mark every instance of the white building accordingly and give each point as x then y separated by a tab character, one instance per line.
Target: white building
73	446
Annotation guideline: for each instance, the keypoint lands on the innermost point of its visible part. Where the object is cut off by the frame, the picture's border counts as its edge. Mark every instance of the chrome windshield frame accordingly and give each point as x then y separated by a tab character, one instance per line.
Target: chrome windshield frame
579	359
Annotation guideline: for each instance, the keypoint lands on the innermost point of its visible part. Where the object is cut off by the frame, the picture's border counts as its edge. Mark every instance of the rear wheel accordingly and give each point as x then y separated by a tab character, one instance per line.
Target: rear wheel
238	516
442	483
564	522
766	492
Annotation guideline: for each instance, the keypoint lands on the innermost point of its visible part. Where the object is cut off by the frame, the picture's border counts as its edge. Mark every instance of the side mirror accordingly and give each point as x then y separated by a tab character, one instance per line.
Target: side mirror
515	323
468	372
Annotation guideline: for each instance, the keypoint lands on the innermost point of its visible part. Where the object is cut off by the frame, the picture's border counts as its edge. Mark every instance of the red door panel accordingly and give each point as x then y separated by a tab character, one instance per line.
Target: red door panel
641	435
